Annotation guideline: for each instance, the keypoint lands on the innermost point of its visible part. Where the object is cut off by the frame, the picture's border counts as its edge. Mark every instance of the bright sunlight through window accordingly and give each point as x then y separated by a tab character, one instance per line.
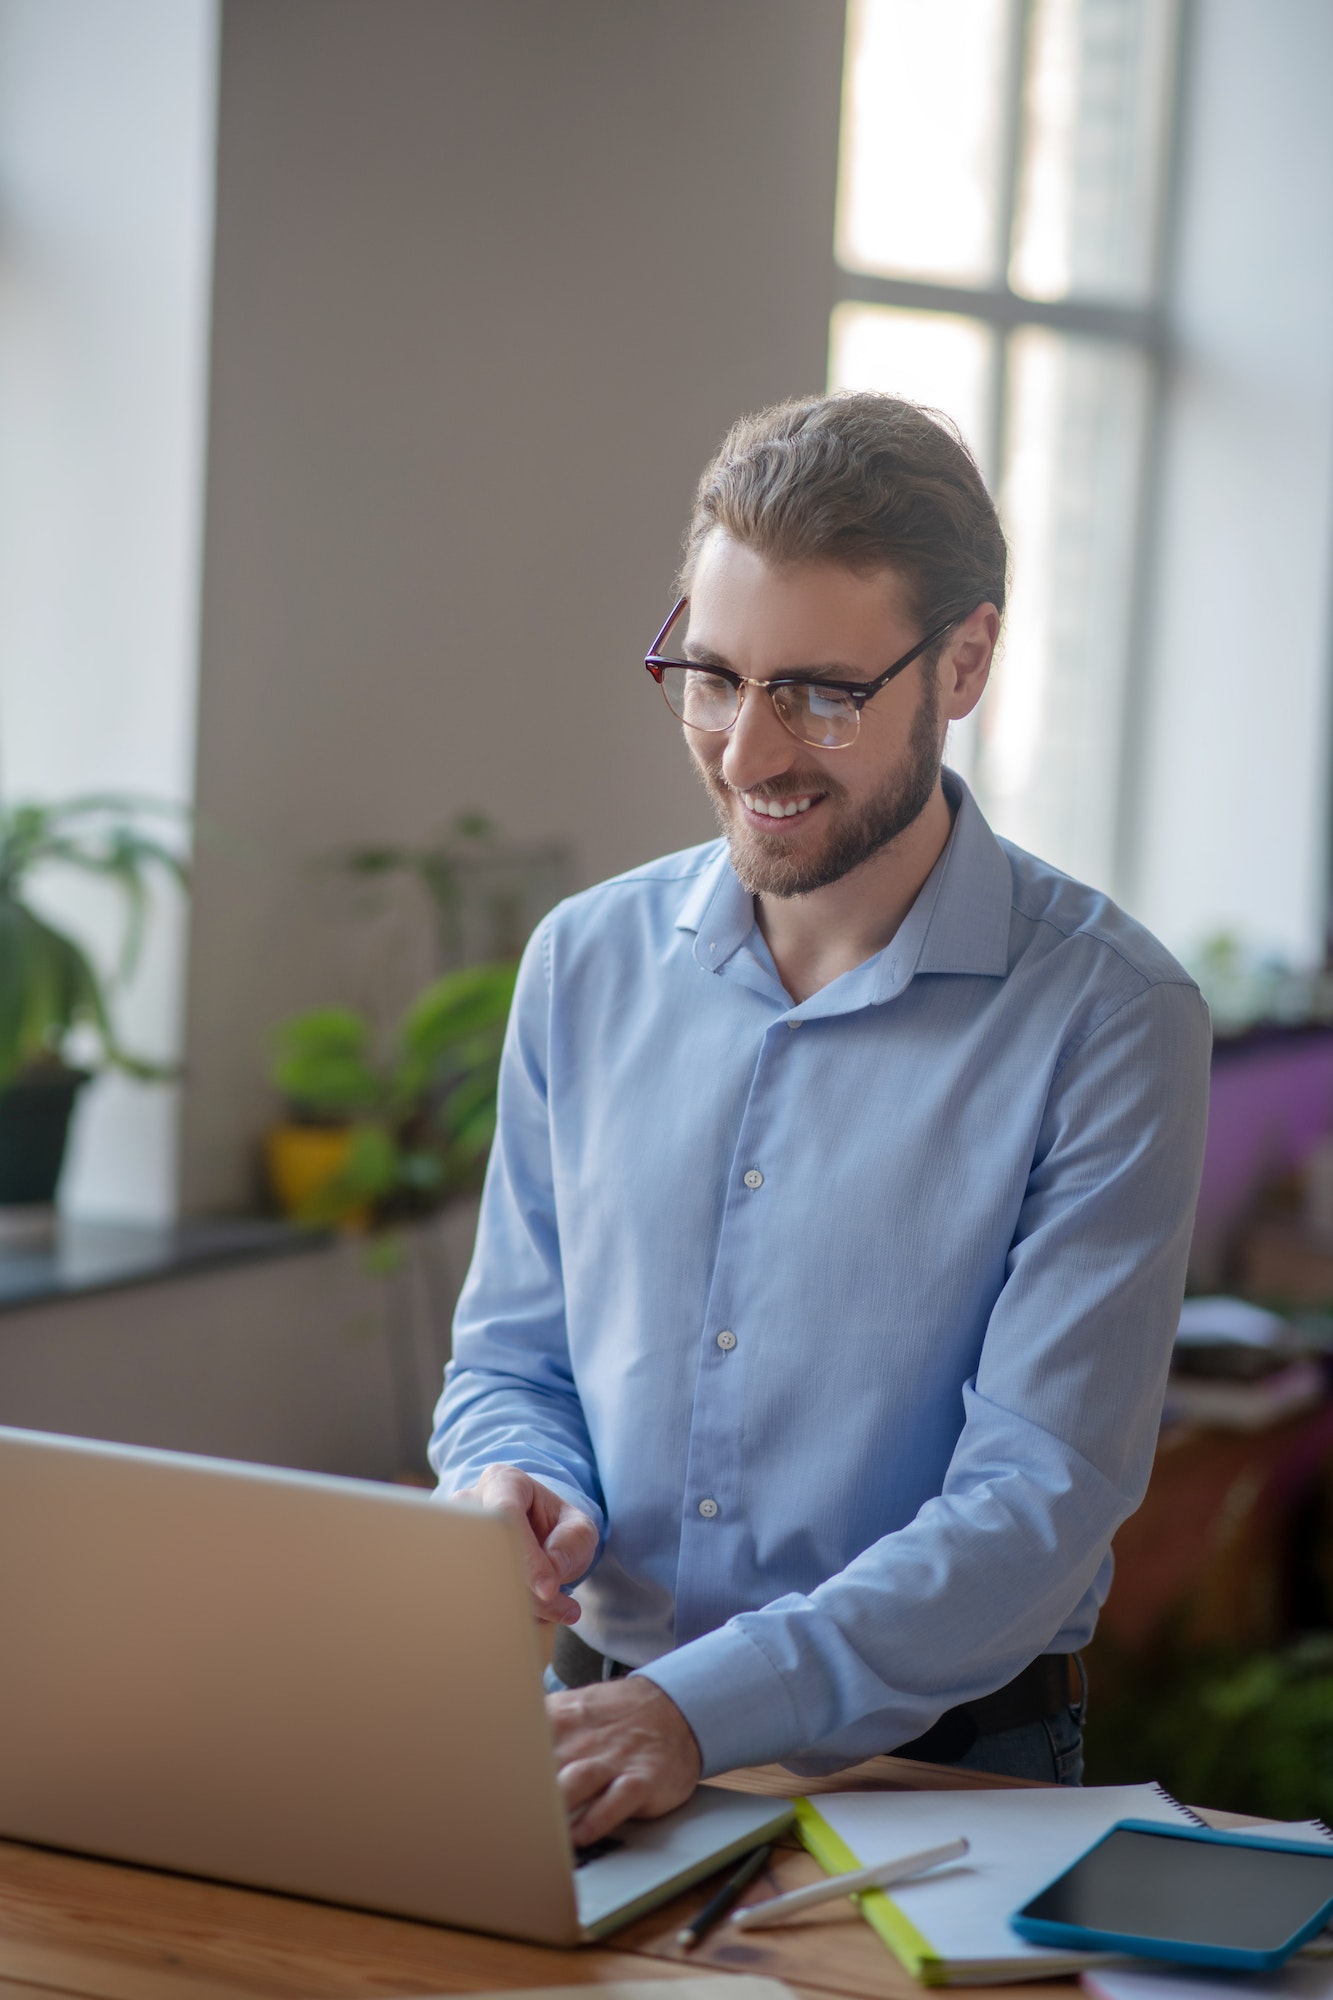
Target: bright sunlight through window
999	232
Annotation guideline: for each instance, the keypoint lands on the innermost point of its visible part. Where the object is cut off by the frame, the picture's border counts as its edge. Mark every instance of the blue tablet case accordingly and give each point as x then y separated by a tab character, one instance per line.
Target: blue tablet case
1040	1930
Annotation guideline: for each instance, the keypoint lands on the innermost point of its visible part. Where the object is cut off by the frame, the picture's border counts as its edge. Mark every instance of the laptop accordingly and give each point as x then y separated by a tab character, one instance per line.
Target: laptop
314	1685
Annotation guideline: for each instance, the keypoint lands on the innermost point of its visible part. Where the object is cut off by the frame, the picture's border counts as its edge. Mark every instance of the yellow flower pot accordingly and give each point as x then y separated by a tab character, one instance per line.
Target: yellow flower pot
300	1161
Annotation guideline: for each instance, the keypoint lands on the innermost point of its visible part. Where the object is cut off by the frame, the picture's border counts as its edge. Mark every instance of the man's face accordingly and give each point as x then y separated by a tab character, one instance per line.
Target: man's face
763	622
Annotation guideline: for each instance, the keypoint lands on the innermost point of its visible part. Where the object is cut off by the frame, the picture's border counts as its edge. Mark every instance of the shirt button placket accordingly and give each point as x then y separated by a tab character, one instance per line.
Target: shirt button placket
702	1602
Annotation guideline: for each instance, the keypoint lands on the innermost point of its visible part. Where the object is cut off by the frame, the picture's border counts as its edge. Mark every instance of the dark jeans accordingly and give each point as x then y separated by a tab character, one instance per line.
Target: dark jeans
1051	1750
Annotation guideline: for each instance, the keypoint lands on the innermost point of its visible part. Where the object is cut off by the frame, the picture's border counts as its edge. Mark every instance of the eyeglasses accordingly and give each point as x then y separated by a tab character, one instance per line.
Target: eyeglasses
824	714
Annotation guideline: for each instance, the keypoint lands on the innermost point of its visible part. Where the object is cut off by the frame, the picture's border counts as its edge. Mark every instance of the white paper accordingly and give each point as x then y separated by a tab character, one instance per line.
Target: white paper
1021	1840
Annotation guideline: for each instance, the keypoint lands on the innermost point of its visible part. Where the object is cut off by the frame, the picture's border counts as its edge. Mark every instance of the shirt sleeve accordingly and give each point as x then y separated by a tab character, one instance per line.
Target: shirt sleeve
1057	1444
509	1395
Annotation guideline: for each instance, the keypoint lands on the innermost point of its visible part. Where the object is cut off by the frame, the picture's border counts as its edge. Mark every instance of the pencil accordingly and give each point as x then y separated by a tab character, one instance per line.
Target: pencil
711	1913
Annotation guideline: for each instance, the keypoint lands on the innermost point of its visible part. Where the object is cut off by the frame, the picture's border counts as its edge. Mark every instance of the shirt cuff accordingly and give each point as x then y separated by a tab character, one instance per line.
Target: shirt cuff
734	1699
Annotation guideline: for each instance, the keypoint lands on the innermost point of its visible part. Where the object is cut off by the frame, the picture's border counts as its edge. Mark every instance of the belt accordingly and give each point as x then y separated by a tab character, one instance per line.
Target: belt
1045	1688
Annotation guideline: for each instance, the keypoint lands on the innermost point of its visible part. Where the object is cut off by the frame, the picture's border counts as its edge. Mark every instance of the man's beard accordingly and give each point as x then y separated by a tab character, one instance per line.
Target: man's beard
764	868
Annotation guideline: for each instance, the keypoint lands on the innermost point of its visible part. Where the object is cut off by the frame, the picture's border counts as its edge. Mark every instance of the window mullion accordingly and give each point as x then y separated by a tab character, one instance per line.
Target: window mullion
1011	139
1135	742
1140	326
1011	148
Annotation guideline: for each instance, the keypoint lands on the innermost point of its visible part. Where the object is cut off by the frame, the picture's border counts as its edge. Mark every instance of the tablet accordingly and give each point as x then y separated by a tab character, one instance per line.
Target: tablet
1186	1893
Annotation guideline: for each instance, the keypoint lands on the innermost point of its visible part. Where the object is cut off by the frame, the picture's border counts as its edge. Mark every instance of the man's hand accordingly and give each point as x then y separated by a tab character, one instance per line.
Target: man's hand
623	1749
559	1542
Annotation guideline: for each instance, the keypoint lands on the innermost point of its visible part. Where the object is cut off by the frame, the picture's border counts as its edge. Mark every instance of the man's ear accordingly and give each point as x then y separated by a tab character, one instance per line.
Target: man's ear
965	662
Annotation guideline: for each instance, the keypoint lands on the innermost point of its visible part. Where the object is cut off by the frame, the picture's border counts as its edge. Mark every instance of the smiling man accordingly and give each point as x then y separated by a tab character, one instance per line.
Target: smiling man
835	1233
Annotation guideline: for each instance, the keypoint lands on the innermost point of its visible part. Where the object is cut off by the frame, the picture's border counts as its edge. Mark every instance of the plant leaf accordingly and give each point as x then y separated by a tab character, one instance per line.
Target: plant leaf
373	1158
322	1062
457	1010
14	983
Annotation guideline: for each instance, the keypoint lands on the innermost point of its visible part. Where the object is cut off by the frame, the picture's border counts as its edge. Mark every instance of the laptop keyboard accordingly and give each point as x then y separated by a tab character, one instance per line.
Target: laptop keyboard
594	1852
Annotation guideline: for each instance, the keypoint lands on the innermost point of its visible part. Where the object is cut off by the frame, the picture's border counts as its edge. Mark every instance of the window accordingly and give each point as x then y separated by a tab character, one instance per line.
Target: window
999	234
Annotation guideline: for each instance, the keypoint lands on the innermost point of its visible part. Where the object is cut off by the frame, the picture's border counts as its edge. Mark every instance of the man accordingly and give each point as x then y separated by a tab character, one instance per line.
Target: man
834	1237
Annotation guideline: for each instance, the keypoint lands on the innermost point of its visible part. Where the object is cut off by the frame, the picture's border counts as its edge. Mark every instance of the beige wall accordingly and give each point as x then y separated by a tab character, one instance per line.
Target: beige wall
491	277
286	1361
307	1359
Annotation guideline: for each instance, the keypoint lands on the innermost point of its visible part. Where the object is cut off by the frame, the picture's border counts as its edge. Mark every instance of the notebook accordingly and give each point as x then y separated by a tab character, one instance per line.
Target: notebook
951	1928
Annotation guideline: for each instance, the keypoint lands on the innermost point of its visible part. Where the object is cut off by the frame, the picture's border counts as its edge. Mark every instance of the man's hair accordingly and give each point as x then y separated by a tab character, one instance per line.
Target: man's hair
864	480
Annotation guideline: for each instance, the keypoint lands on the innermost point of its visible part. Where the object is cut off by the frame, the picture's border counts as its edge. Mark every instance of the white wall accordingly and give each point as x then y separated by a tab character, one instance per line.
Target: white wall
491	280
106	174
1233	809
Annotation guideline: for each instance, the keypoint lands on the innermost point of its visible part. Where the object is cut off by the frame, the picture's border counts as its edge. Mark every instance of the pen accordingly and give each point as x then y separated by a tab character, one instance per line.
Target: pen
777	1910
689	1934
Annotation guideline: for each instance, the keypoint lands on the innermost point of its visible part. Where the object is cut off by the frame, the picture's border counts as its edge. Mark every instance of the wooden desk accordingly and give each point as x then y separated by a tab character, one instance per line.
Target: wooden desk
70	1926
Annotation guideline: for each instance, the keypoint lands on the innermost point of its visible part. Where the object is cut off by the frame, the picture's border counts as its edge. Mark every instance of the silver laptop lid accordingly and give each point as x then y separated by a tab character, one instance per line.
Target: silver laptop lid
315	1685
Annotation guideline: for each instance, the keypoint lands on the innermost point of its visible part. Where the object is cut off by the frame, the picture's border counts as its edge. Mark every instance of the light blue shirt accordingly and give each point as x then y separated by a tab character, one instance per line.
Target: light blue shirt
847	1322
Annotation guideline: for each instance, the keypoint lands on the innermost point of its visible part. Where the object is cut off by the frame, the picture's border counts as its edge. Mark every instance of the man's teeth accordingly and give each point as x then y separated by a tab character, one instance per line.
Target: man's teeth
777	808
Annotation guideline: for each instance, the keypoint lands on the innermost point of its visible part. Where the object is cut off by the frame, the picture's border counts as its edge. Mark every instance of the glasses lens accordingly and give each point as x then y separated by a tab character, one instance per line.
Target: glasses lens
703	700
820	716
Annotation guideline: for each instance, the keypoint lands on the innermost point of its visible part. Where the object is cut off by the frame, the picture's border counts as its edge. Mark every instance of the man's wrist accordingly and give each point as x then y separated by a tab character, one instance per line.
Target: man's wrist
737	1706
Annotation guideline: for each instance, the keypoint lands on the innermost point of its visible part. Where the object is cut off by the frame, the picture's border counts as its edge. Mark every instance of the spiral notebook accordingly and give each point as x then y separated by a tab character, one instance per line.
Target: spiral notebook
951	1928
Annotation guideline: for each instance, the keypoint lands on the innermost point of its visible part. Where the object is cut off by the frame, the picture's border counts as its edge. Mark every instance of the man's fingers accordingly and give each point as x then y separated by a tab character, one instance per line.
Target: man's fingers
538	1569
557	1610
609	1808
621	1748
572	1544
557	1541
503	1489
598	1798
582	1780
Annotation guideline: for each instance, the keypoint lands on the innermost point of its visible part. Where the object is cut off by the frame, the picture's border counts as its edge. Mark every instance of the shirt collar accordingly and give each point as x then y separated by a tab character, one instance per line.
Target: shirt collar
958	923
969	922
718	911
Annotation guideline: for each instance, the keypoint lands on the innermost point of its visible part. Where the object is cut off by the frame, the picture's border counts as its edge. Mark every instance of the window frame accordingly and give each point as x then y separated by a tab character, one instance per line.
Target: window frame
1002	311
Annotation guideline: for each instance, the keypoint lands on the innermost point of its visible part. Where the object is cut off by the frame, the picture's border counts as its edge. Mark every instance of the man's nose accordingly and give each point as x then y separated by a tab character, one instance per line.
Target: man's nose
758	746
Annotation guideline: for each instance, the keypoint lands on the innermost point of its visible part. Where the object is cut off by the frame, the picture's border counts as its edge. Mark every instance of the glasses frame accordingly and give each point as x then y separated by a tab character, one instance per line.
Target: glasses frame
858	692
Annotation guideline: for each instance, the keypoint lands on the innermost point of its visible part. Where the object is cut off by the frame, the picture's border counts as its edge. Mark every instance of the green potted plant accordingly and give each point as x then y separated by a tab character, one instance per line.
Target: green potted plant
55	1008
377	1134
486	894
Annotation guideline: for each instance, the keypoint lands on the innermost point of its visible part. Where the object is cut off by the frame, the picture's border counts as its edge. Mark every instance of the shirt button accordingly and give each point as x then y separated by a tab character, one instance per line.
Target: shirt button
794	1024
754	1179
708	1509
726	1341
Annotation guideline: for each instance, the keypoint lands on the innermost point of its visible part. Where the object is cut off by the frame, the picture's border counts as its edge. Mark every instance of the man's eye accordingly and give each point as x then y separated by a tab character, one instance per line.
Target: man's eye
825	702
